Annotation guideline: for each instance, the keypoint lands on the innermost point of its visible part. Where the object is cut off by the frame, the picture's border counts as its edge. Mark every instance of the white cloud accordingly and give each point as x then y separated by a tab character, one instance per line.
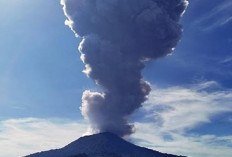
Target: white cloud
182	144
216	17
20	137
177	109
227	60
187	107
229	19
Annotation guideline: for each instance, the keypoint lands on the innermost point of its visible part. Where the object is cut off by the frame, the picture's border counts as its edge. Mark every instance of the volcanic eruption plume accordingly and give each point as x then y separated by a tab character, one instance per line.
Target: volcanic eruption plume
118	36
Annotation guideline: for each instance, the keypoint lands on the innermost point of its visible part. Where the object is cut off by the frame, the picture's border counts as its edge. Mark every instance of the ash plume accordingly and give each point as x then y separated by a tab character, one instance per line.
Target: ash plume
118	37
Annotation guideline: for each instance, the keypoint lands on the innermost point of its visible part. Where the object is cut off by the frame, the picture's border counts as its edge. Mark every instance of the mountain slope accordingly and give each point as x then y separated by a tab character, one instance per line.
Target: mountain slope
101	145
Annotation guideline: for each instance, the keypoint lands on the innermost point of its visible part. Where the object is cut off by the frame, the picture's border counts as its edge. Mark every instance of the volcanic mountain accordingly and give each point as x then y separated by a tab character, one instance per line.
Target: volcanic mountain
101	145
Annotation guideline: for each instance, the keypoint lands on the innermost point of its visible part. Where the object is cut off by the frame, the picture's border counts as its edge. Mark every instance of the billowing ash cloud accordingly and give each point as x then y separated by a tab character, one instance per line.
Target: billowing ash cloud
118	37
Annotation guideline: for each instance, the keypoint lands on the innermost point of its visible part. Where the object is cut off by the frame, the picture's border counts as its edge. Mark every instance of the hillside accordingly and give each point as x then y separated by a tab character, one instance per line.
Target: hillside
101	145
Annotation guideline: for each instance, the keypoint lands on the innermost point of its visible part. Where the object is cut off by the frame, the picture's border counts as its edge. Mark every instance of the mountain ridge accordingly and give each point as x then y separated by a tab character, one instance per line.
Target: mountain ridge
101	145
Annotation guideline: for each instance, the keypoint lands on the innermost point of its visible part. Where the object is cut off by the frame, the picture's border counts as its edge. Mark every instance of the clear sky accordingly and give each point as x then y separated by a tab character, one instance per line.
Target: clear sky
189	111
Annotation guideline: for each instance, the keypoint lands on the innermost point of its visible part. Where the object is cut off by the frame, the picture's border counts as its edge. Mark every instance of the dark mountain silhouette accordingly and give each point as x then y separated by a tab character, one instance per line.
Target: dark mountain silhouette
101	145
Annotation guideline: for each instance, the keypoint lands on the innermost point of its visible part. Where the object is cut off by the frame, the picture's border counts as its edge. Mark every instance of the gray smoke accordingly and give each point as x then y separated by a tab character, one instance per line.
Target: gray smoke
118	36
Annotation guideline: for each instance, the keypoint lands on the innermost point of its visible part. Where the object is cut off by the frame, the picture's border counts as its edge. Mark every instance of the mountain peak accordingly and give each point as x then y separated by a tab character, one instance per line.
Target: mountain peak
103	135
101	145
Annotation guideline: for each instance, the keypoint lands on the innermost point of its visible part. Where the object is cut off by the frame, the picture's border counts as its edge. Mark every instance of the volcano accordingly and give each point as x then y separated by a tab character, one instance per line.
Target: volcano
101	145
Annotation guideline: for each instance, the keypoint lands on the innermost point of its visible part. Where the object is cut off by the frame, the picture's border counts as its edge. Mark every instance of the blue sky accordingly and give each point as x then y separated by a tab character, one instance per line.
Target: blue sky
41	83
